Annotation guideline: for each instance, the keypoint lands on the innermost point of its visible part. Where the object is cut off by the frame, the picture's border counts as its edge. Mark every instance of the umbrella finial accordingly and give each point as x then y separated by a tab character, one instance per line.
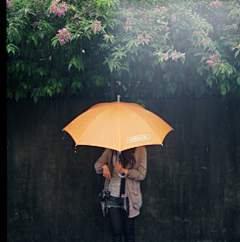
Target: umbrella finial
118	98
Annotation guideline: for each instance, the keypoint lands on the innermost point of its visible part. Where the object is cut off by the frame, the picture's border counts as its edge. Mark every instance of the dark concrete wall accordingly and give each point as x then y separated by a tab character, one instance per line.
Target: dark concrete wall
191	192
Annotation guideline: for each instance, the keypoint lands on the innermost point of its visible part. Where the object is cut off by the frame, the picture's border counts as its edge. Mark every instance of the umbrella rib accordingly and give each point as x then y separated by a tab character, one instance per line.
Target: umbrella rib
144	119
93	120
119	128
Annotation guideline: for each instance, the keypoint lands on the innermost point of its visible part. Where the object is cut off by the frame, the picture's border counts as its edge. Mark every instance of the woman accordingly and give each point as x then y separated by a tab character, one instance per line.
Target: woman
125	199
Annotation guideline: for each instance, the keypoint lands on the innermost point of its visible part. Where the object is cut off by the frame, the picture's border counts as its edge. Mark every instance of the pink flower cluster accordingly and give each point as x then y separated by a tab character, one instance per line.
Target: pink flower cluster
9	4
92	14
107	36
202	32
60	9
205	40
141	38
174	56
235	26
62	34
128	25
174	18
96	26
213	60
216	4
166	26
164	10
156	10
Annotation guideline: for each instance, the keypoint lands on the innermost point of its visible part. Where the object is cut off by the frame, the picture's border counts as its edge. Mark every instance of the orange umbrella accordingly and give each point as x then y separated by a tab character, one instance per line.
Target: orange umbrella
118	126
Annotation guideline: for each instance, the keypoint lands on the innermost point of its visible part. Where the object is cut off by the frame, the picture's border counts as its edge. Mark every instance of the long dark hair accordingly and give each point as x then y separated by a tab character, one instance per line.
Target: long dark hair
127	156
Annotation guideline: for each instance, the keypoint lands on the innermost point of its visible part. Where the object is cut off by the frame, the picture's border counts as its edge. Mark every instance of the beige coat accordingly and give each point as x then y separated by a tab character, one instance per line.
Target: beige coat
135	175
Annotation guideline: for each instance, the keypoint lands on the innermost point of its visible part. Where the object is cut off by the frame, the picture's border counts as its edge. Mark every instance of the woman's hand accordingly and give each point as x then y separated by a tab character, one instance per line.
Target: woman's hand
106	172
120	169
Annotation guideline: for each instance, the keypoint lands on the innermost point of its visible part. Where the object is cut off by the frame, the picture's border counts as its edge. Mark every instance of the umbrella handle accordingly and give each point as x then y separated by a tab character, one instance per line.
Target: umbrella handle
122	176
119	174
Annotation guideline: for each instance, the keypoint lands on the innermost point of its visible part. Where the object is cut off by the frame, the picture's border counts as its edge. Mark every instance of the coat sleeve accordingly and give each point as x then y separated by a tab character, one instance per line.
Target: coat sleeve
140	173
103	159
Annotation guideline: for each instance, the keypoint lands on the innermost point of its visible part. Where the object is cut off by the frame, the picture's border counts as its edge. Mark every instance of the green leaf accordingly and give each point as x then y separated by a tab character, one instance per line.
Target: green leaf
12	48
9	93
223	89
22	66
17	95
172	87
209	81
35	98
77	62
238	80
236	53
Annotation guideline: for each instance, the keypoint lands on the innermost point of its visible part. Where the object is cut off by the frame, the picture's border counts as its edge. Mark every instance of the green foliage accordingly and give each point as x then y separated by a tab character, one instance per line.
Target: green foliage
138	48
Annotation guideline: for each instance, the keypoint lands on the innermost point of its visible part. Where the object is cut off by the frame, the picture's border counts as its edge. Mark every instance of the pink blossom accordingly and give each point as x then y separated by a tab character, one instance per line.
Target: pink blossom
156	10
204	32
68	36
174	17
165	56
140	37
62	42
62	34
147	36
214	56
166	26
58	9
214	60
174	56
105	36
53	9
216	4
96	26
183	55
204	41
164	10
128	23
238	5
63	6
9	4
235	26
210	62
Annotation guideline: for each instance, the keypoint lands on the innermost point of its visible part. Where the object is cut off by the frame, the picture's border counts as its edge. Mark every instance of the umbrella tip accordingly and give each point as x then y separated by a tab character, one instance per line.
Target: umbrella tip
118	98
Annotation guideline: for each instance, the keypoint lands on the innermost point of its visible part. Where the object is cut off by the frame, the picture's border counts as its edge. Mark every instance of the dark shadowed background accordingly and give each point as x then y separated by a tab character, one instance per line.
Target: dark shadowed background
191	191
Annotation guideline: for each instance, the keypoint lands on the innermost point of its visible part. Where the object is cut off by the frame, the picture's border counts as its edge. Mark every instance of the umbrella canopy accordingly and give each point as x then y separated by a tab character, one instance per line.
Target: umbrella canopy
118	126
